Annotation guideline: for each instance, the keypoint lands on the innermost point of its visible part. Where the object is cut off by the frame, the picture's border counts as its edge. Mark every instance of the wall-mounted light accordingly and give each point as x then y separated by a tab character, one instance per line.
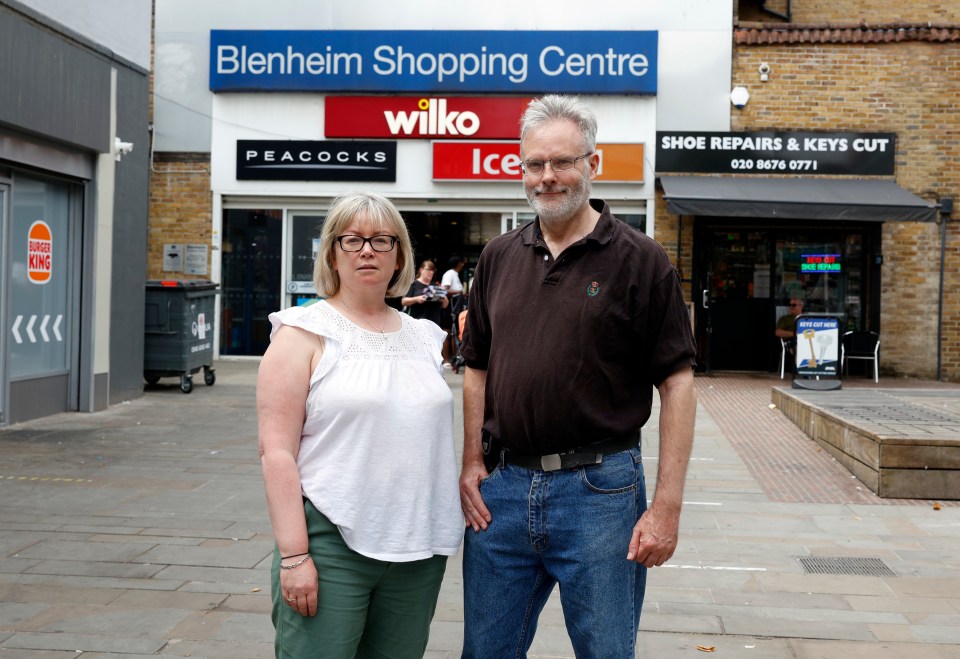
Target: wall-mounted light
764	70
739	97
121	148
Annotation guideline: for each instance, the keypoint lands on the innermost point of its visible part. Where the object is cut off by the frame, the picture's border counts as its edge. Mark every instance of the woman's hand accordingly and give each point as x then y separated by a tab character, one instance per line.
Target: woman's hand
298	586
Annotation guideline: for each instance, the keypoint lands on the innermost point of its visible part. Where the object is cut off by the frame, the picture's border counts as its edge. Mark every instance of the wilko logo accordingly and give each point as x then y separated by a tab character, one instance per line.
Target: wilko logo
433	118
422	117
500	161
39	252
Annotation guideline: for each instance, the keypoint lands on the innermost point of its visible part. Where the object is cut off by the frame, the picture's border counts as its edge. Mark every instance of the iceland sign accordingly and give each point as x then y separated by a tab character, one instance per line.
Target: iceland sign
522	62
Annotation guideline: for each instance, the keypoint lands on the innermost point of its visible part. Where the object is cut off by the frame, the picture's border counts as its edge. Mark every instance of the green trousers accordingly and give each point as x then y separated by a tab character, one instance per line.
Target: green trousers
365	608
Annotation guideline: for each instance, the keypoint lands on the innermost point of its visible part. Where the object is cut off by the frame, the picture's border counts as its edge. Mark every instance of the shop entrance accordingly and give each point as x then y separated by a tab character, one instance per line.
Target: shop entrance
267	260
746	275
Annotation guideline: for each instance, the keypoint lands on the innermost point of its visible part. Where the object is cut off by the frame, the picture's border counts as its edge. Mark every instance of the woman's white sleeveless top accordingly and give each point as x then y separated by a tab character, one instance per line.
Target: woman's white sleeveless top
376	455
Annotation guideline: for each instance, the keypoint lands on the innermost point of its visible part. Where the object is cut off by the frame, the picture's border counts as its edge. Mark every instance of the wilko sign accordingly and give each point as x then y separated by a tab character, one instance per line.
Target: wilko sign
500	161
39	252
423	117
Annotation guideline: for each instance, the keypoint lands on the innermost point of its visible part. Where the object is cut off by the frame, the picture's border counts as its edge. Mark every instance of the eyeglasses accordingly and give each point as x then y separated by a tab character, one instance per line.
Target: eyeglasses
536	167
352	243
795	304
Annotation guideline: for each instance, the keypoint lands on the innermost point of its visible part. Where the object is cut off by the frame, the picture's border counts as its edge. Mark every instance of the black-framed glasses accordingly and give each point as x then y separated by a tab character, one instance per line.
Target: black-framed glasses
351	243
536	167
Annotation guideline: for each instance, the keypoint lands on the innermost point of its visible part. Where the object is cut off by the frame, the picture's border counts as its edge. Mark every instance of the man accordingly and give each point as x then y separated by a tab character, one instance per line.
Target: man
573	319
787	323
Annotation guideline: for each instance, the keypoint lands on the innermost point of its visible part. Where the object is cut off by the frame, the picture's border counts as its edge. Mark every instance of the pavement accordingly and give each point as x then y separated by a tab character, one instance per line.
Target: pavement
142	530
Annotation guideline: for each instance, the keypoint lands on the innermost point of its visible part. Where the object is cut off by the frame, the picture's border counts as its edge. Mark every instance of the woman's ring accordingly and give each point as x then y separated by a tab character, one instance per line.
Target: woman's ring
291	599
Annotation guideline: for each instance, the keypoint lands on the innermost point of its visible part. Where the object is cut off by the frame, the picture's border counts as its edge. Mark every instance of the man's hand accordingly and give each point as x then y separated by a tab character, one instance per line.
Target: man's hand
654	538
475	513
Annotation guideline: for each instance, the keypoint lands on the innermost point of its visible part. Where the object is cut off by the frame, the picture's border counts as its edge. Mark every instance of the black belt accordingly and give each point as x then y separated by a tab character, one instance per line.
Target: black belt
591	454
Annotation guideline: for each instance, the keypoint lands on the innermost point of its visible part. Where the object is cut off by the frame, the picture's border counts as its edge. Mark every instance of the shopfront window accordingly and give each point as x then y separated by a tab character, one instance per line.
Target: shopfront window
826	272
40	278
304	243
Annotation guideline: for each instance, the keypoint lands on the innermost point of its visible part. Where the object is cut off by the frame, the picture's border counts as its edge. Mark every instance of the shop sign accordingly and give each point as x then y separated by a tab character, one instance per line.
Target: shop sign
774	152
473	61
500	161
818	345
39	253
422	117
277	160
820	263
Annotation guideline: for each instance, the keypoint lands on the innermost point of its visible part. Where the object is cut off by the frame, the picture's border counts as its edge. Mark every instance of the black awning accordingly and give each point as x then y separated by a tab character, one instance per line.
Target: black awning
795	198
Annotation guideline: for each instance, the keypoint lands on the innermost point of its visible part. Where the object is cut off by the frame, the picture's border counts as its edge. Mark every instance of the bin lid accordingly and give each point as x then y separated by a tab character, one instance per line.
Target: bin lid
188	284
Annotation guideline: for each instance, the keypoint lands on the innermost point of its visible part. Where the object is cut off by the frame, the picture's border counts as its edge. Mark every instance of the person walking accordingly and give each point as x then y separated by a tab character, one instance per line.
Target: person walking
356	446
559	382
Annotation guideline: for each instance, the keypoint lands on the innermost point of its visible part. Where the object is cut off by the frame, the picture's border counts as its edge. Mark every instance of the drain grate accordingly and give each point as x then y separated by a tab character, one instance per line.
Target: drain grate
852	565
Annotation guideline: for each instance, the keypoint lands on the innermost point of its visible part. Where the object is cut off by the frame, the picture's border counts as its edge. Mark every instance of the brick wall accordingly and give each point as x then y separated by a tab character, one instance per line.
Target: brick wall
913	90
180	208
874	12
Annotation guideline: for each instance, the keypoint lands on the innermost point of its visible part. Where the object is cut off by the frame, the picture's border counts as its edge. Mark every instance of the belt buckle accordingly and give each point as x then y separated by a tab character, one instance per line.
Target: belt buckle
554	461
551	462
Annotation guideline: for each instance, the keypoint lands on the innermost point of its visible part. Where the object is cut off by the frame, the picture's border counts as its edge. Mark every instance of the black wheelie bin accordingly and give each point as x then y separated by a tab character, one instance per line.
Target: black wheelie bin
178	327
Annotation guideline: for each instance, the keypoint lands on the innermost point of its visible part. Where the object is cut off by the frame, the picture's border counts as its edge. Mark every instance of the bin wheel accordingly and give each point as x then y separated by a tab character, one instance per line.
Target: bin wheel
209	376
186	383
151	379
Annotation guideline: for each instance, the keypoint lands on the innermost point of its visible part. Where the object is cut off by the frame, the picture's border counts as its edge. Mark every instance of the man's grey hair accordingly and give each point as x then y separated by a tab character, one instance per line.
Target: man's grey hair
553	107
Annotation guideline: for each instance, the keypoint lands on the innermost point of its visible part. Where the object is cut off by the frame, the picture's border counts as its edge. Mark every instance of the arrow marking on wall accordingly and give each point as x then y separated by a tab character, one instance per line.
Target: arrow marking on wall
16	330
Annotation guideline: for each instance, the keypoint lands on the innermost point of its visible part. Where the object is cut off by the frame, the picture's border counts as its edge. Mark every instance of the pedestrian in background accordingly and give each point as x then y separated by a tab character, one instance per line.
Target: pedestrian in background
573	320
356	445
426	299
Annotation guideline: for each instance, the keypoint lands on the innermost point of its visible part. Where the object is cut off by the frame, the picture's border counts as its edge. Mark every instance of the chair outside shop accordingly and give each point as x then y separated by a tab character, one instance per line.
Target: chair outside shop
861	345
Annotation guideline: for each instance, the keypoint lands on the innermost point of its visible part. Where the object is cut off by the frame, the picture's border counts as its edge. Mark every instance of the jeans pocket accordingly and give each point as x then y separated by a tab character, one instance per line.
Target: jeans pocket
493	472
617	473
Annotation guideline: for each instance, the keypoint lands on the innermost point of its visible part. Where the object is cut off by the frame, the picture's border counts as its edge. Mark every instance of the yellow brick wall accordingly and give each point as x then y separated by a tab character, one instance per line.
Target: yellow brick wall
180	208
911	89
873	12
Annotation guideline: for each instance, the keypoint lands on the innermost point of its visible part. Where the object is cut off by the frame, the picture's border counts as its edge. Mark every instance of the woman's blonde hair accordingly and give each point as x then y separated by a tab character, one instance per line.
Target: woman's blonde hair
380	213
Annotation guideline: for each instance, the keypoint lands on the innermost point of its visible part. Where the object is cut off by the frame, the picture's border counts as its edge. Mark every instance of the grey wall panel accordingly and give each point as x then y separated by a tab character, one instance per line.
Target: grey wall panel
32	399
51	87
129	256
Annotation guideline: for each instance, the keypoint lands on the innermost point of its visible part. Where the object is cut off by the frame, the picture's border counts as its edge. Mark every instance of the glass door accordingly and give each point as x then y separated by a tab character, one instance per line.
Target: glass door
734	332
250	279
302	245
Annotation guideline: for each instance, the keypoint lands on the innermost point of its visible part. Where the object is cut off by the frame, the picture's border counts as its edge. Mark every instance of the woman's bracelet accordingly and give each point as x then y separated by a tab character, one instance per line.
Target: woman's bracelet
283	558
297	564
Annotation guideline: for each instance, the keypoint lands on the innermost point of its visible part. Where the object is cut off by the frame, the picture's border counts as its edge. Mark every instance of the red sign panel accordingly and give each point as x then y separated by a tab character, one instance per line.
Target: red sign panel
500	161
414	117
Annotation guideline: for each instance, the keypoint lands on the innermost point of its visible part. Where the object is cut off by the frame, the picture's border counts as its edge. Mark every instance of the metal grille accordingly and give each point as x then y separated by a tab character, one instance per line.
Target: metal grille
852	565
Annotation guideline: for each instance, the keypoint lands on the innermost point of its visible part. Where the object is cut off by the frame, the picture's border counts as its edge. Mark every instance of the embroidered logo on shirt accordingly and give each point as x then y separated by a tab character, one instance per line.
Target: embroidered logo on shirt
593	289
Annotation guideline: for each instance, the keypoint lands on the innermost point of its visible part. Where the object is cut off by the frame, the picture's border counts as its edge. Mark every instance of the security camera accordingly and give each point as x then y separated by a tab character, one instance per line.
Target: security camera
121	148
764	70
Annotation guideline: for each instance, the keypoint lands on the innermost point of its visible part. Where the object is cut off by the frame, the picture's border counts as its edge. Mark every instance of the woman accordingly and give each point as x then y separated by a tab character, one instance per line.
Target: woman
356	444
419	300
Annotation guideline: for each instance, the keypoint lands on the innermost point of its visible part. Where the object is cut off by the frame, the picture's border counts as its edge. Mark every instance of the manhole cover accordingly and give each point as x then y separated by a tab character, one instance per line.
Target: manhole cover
853	565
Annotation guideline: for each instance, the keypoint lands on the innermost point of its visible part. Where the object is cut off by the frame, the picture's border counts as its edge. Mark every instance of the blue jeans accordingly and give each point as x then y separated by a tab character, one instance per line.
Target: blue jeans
570	527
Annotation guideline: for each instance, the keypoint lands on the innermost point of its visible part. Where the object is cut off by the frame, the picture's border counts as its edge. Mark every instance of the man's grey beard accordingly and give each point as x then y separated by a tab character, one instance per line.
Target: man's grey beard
577	196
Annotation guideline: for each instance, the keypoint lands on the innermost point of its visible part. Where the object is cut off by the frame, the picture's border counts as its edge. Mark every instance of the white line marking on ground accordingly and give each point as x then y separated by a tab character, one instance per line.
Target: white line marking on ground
716	567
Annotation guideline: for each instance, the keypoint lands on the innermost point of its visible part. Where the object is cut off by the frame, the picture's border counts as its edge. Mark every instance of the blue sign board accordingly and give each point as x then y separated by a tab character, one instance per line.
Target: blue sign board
818	345
521	62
